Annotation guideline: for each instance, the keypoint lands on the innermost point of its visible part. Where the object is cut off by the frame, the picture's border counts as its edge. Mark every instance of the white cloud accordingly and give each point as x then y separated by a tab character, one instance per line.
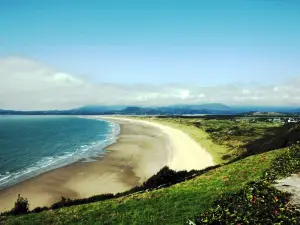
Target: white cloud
184	94
246	92
201	95
285	96
65	79
27	84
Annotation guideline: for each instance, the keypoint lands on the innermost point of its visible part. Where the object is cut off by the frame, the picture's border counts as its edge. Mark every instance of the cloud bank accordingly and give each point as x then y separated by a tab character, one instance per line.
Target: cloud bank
29	85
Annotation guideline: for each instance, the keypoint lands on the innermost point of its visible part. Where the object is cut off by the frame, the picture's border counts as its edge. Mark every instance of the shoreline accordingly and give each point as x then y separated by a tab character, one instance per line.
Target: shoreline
141	150
185	153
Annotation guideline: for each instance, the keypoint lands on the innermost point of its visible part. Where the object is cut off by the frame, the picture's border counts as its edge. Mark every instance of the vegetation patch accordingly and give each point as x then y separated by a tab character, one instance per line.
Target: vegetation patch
258	202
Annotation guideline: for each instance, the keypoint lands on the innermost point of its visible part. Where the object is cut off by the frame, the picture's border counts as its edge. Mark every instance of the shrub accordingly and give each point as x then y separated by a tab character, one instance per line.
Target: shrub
63	202
39	209
102	197
21	206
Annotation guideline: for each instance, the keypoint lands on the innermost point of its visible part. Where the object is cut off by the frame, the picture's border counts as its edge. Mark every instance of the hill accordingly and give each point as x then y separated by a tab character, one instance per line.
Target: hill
134	110
97	109
215	108
297	110
206	109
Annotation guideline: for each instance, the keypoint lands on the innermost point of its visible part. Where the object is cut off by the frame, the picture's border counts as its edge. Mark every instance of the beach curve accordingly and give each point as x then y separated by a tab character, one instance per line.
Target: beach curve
184	152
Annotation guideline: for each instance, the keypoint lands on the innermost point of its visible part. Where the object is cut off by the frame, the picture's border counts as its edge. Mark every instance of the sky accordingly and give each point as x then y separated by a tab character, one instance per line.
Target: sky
67	53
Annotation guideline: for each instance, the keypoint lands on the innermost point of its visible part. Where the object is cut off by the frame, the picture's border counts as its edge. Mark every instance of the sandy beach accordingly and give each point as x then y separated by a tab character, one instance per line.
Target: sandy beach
142	149
183	152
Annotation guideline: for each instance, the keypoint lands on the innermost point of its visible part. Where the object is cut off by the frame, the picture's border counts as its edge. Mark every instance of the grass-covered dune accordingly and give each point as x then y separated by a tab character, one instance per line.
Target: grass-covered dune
204	199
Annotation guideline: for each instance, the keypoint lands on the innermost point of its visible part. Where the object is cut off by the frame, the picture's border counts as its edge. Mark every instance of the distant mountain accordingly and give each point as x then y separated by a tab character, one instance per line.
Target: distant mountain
94	109
46	112
296	110
278	109
208	109
212	106
208	106
134	110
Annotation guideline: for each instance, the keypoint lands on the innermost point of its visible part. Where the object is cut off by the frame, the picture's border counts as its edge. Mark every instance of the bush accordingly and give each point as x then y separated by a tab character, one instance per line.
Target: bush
63	202
39	209
166	177
21	206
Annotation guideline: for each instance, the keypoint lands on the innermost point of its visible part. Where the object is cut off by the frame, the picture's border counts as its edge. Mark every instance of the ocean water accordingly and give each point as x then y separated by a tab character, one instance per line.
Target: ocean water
30	145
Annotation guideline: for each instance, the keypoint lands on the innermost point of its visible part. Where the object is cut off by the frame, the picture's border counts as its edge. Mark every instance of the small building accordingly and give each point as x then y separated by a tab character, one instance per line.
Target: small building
276	120
292	120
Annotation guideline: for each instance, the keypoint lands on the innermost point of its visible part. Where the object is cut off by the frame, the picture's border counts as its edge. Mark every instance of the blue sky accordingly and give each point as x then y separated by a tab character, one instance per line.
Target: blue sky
158	41
193	42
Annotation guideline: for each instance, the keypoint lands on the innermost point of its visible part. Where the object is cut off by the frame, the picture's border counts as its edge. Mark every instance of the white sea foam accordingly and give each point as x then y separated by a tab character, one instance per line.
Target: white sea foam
85	151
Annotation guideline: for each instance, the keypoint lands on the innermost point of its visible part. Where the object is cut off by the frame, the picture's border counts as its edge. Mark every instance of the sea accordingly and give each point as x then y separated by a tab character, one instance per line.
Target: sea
31	145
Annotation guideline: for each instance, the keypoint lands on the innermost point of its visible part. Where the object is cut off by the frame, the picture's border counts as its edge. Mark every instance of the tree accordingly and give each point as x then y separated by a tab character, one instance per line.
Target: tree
21	206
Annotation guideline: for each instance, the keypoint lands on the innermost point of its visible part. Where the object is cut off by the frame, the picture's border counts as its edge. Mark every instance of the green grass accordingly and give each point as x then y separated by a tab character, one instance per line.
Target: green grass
259	202
173	205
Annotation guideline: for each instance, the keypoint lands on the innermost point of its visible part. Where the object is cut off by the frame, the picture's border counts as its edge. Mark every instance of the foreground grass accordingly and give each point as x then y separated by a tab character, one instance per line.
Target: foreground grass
173	205
259	202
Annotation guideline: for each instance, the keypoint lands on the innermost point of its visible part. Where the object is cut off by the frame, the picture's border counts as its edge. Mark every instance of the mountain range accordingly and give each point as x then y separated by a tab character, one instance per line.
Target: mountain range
211	108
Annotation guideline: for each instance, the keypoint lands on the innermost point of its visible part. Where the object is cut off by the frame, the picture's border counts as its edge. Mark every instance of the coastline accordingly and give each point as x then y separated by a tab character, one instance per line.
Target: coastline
141	150
184	152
